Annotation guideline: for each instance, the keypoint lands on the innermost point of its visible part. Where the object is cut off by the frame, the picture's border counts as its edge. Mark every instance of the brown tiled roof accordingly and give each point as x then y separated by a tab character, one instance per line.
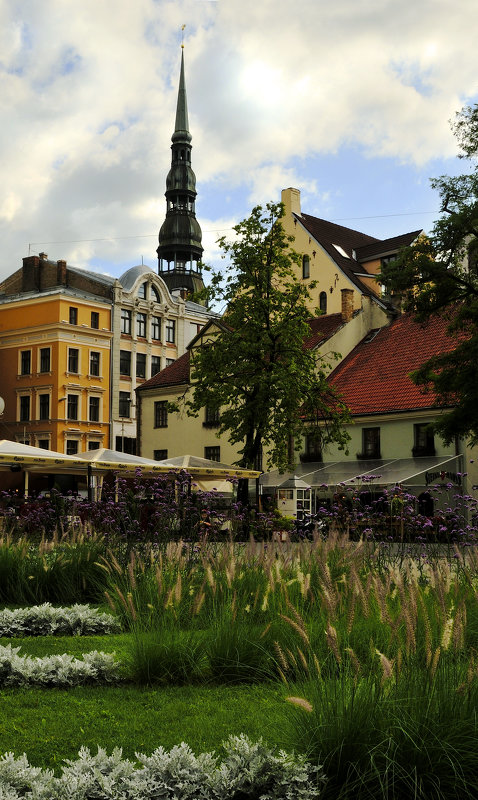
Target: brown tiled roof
329	234
322	328
385	246
174	375
375	377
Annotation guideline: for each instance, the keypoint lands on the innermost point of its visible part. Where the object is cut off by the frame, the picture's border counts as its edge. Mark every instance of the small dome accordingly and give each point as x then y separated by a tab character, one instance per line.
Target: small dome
129	278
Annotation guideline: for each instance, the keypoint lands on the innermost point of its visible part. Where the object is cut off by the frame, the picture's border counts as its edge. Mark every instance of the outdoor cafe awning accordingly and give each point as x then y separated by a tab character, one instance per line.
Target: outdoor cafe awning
411	472
102	461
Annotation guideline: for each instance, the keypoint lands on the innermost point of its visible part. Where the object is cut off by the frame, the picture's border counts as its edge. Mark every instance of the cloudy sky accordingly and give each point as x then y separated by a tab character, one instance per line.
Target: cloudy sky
349	101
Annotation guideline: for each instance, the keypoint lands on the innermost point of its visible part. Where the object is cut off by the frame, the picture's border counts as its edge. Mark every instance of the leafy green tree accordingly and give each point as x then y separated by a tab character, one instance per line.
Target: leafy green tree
439	275
253	367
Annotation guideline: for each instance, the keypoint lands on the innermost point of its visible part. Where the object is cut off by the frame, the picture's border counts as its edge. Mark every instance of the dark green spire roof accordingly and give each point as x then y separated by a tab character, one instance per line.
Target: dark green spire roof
181	130
180	249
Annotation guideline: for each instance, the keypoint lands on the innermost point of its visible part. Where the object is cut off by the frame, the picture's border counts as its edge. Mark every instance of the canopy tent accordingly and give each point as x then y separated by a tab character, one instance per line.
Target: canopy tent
204	469
15	456
411	472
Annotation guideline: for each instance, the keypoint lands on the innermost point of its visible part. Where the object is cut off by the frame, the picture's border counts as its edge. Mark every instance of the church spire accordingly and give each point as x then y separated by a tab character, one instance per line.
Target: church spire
180	249
182	123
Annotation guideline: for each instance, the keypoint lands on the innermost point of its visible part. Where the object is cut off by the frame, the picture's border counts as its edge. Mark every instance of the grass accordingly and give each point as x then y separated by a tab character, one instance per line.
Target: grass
51	725
381	651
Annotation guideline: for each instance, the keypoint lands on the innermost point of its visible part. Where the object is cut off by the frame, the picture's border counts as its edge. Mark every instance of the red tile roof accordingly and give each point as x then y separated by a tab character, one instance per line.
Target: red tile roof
374	377
174	375
322	328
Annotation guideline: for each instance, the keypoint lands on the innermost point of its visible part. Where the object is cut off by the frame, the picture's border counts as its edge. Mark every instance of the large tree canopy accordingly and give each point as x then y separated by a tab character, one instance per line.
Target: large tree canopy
439	275
255	369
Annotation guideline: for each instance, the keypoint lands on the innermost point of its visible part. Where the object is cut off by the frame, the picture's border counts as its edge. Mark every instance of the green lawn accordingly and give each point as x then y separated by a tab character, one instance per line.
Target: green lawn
50	725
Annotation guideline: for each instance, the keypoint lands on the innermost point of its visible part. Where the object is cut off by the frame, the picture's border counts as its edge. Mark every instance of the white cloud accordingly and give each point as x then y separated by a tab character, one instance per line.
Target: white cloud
89	92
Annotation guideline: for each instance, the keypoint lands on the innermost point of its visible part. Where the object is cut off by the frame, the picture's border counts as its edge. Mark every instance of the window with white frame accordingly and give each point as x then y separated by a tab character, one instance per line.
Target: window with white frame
171	330
25	362
45	359
24	410
94	363
94	408
156	328
72	406
73	360
125	321
43	406
141	325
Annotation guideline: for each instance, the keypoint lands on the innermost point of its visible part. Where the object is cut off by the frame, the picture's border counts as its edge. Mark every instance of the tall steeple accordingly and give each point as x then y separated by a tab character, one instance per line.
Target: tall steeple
180	249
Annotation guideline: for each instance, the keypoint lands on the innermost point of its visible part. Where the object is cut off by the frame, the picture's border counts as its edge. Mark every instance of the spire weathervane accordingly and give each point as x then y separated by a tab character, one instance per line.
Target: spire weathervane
182	36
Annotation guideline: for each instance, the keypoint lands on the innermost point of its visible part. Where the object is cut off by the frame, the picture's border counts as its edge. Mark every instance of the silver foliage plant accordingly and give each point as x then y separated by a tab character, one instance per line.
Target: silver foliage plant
46	620
250	771
56	670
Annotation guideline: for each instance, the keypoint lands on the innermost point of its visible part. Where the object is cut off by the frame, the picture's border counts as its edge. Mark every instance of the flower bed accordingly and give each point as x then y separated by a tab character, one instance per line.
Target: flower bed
45	620
248	770
57	670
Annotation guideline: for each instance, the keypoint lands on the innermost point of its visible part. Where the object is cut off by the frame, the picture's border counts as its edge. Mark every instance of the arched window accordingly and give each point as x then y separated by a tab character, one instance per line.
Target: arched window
142	291
155	294
323	302
305	267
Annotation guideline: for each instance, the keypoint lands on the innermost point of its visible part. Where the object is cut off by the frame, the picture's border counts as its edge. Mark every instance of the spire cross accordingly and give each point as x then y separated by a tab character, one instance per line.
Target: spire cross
182	36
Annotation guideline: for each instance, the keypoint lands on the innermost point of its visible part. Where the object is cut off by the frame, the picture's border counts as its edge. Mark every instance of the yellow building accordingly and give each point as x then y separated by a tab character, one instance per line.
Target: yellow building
55	343
343	263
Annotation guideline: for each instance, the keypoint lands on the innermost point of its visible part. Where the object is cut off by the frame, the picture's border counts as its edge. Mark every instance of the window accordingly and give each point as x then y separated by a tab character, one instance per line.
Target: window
124	404
26	362
211	417
44	406
323	302
94	363
155	365
212	453
161	414
155	294
125	321
45	359
423	440
125	362
73	316
44	444
72	407
141	325
170	361
313	451
72	447
126	444
94	409
142	291
170	330
141	365
156	328
93	445
305	267
370	443
24	408
95	319
73	359
160	455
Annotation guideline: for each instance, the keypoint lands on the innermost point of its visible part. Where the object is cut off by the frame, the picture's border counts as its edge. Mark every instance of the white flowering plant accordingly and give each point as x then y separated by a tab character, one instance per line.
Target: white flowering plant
249	771
46	620
56	670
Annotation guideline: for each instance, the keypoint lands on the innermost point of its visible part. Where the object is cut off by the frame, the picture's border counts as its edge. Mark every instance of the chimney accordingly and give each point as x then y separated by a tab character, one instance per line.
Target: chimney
61	272
31	274
347	304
